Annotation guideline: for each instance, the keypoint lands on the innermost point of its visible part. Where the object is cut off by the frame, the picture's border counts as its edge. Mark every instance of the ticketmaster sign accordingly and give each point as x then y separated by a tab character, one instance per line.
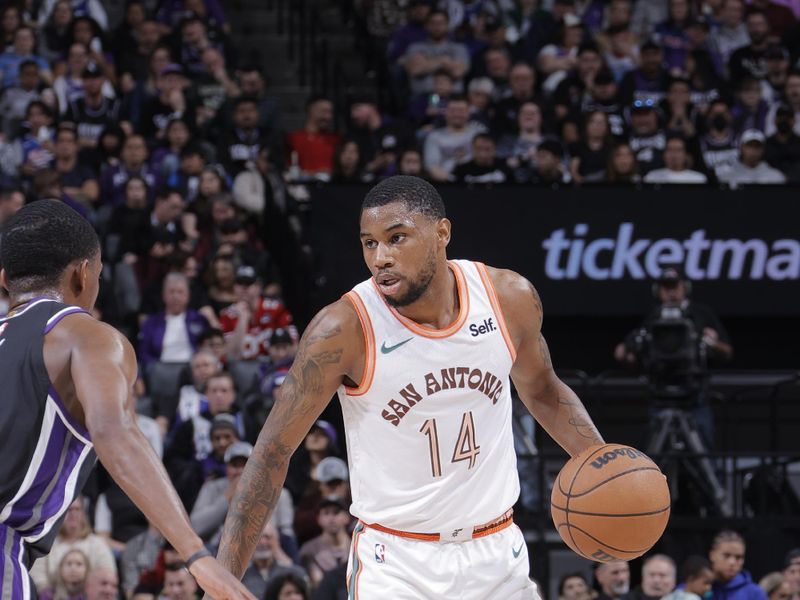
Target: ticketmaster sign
592	251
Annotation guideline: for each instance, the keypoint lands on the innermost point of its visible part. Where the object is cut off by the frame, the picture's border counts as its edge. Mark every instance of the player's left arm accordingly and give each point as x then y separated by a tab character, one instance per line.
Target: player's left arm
552	403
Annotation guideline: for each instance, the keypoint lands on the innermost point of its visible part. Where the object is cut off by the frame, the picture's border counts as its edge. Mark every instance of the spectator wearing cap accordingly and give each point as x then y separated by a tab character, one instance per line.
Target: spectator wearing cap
22	49
450	145
248	324
601	95
698	37
242	143
569	94
620	51
484	166
750	60
311	149
649	81
522	84
791	571
782	149
379	137
78	180
672	35
269	563
520	149
751	166
777	64
170	102
133	161
171	336
647	138
422	59
333	478
195	450
719	146
208	513
328	550
731	32
676	165
92	112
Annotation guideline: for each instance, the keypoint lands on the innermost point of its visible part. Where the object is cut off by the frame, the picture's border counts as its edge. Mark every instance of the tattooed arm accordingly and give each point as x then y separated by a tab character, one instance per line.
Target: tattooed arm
331	351
554	405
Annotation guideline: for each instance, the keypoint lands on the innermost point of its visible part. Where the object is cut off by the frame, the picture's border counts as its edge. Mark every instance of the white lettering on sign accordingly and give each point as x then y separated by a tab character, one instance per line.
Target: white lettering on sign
576	255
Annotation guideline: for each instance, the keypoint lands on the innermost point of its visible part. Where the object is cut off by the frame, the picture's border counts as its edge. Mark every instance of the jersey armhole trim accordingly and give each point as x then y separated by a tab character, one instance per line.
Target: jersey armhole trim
369	346
56	318
501	321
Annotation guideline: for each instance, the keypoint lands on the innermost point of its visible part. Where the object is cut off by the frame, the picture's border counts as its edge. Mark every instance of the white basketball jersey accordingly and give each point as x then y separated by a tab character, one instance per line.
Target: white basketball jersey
429	437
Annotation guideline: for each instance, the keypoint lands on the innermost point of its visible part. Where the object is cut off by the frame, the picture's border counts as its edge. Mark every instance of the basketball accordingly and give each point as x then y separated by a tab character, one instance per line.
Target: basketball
610	502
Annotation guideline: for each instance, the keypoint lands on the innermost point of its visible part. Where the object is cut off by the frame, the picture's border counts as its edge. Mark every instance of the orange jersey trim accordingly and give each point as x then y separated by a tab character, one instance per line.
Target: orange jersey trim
428	332
477	532
369	346
492	293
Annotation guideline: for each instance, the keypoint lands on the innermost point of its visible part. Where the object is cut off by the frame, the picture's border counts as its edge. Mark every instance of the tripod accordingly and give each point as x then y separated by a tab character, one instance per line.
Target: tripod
676	431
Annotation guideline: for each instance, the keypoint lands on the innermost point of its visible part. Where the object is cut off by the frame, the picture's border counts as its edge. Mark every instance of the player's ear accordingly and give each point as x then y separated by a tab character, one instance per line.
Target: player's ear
443	227
3	279
80	277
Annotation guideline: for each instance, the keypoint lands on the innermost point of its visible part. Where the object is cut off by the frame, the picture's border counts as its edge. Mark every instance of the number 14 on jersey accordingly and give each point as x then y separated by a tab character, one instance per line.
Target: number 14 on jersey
465	449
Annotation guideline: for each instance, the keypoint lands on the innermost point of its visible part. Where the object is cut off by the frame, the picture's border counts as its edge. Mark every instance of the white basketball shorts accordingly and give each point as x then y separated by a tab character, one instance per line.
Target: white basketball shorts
384	566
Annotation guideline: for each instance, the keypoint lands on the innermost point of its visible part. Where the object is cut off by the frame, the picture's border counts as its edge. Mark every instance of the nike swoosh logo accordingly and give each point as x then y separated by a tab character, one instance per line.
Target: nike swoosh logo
518	550
386	349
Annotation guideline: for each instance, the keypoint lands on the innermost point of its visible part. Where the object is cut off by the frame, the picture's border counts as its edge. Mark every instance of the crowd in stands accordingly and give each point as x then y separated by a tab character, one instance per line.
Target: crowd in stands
568	92
151	125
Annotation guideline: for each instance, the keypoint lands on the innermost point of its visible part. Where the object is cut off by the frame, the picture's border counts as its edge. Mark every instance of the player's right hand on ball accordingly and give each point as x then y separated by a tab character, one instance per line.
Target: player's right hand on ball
217	582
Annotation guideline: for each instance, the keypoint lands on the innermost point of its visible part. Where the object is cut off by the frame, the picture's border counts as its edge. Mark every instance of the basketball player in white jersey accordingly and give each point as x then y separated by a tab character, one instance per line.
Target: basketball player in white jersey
420	355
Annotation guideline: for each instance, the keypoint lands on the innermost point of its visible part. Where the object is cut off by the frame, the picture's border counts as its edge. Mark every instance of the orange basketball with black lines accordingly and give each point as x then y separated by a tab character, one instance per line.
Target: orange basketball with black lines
610	502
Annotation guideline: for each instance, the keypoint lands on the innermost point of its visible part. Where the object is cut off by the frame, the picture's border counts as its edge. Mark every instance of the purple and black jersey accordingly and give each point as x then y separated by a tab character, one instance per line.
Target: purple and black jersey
47	455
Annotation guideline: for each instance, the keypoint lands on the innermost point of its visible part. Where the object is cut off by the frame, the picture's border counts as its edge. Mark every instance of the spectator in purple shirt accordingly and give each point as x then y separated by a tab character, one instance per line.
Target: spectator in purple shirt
133	161
171	336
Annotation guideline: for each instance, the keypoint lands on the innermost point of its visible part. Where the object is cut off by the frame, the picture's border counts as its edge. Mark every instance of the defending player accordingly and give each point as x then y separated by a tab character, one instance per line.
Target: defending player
420	355
66	384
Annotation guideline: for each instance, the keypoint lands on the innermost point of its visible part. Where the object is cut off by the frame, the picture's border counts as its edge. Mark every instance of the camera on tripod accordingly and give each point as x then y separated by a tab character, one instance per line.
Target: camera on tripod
673	355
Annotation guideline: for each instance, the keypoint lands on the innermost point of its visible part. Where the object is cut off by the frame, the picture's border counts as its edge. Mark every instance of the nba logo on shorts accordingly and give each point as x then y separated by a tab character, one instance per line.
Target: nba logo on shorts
380	553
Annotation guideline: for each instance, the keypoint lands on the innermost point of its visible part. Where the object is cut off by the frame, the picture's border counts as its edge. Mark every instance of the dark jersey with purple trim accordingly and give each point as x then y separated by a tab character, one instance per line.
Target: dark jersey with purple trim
47	455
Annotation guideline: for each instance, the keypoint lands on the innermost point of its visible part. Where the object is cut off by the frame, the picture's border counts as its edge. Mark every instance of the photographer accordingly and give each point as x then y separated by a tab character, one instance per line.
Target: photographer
686	377
672	291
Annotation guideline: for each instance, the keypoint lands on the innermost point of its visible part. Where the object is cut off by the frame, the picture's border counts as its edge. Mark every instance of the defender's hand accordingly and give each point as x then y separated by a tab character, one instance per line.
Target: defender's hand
218	582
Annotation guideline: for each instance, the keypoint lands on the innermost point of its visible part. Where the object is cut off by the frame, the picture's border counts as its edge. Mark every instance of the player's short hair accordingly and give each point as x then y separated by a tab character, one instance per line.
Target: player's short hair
727	535
40	241
418	195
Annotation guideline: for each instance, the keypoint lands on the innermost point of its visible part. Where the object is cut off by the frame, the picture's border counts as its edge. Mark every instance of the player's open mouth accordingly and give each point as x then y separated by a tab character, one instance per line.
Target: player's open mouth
388	284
